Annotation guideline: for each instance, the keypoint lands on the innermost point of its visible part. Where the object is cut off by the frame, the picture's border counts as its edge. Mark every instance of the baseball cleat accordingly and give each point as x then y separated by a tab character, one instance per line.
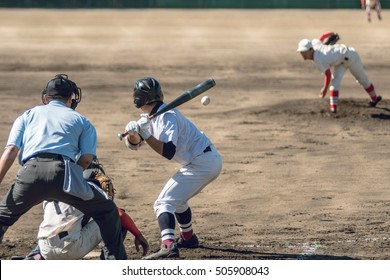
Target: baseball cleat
164	253
193	242
373	103
37	257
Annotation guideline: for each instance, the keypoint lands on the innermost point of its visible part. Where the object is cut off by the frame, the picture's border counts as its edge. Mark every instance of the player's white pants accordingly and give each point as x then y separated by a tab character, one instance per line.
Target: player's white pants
355	66
72	247
370	5
188	182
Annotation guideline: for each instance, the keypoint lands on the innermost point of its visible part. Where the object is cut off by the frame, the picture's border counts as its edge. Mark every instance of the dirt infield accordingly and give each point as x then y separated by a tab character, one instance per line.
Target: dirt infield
297	182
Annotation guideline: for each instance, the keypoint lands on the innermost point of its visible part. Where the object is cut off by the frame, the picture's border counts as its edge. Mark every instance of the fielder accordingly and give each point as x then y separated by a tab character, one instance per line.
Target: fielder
176	138
341	58
369	5
67	234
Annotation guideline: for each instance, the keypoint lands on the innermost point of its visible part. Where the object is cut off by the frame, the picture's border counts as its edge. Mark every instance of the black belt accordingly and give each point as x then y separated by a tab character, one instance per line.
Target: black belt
47	155
62	234
208	149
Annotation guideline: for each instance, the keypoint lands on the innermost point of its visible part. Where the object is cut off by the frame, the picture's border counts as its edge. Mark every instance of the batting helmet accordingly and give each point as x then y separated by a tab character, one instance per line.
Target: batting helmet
61	87
147	90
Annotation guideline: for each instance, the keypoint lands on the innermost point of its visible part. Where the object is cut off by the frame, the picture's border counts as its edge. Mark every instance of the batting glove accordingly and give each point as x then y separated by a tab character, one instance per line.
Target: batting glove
132	128
144	126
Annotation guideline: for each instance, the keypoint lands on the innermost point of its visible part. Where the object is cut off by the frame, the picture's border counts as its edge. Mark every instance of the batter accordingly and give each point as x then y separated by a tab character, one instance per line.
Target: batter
176	138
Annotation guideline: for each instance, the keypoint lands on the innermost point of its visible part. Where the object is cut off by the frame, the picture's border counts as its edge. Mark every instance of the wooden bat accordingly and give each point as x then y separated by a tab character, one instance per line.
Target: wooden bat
188	95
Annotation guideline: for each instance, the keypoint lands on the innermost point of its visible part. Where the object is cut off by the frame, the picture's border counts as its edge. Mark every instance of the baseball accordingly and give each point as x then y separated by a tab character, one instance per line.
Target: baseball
205	100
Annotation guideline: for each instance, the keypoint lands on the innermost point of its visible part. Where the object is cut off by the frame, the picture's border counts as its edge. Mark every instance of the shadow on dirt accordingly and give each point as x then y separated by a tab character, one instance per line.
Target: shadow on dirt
223	253
381	116
349	110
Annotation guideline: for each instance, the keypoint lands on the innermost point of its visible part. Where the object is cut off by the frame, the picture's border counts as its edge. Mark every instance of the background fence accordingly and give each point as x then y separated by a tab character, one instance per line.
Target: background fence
243	4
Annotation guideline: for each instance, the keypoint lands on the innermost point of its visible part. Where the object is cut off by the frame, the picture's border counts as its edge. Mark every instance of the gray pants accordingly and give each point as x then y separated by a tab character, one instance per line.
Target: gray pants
42	179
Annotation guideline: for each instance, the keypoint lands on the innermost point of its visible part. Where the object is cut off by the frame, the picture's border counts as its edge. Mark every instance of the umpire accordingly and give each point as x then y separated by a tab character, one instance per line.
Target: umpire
47	137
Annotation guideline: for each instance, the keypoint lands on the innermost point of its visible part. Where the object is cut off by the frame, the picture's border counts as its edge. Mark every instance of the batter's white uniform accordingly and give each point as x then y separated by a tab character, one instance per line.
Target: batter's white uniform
199	165
341	58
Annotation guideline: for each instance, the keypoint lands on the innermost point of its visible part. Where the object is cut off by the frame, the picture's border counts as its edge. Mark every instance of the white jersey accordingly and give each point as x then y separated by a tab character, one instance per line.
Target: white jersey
201	162
172	126
372	3
339	58
327	56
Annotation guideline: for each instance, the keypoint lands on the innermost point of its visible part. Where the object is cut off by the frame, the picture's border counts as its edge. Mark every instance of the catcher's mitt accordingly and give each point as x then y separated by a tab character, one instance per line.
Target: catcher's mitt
95	174
332	39
106	184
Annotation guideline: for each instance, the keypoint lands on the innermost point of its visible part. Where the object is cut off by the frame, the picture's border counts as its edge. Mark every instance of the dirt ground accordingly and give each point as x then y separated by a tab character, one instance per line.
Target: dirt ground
297	182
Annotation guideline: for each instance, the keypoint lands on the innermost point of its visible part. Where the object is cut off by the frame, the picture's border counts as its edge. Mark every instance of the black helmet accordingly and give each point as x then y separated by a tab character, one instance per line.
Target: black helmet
146	91
61	87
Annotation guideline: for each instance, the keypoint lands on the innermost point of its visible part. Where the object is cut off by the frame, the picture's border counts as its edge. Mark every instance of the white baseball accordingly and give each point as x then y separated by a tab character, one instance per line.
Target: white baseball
205	100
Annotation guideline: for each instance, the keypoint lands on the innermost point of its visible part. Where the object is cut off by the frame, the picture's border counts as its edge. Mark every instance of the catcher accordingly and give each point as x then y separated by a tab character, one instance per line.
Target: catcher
66	233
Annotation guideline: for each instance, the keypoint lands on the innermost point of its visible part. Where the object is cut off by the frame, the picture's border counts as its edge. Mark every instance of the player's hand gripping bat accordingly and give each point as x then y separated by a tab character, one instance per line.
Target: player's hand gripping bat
188	95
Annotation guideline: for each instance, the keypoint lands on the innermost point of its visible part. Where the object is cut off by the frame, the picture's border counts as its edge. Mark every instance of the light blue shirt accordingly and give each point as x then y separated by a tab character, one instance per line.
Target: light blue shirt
53	128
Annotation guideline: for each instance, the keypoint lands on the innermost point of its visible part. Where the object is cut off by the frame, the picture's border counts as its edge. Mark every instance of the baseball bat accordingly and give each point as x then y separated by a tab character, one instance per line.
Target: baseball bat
183	98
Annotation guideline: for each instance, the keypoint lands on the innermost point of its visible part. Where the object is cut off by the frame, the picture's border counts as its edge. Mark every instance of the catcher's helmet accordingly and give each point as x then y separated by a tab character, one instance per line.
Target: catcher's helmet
146	91
61	87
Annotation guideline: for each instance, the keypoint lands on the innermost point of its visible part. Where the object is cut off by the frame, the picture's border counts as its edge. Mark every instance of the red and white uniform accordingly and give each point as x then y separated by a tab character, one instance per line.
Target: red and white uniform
341	58
369	5
333	61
